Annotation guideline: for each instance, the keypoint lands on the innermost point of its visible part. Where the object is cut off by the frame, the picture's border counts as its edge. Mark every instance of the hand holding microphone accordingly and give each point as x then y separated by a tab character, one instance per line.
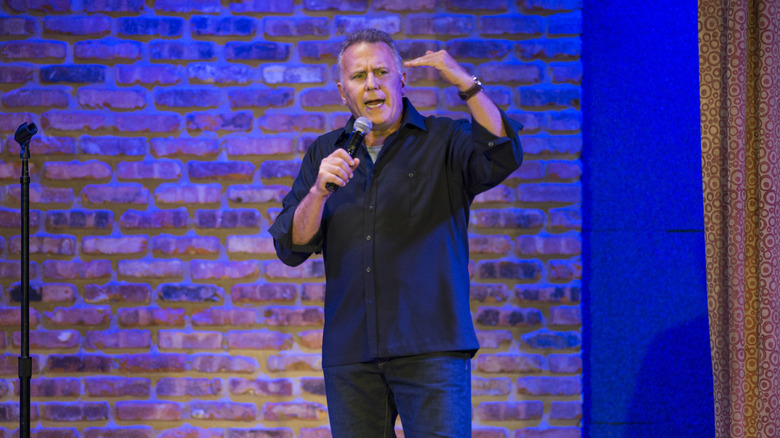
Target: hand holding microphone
361	127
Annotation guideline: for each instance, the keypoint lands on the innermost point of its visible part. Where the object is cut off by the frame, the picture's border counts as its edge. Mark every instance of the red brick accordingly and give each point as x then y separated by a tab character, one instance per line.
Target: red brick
77	170
508	317
66	387
291	27
564	170
557	49
565	410
335	5
238	218
262	98
180	50
498	194
313	292
565	122
118	339
257	292
229	411
89	316
512	25
80	363
149	411
65	270
313	385
178	340
286	411
308	269
9	365
13	219
552	340
117	293
387	23
55	339
317	432
491	432
556	294
565	315
113	146
261	339
131	193
562	219
405	5
14	74
262	245
39	50
489	293
321	98
208	73
148	170
188	386
560	386
13	270
568	23
439	25
260	51
311	339
566	72
79	219
260	387
58	293
493	338
498	245
565	363
153	123
9	122
294	316
279	169
184	147
294	74
76	25
108	387
274	123
319	50
212	363
114	6
17	26
119	432
228	122
118	99
151	269
509	363
112	50
493	387
187	98
549	6
536	246
564	270
510	411
478	49
36	97
189	431
48	245
153	363
224	316
150	26
219	26
150	317
185	245
114	245
154	219
222	171
200	293
551	432
509	270
188	194
249	146
507	218
208	270
73	120
45	146
12	317
295	362
82	411
148	74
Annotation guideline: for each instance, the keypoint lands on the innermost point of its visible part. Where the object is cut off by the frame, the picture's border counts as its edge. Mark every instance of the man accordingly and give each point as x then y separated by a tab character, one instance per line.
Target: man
398	334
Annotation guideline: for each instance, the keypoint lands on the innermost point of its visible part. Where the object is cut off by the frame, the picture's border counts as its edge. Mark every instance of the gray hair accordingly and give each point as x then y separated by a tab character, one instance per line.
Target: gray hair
368	36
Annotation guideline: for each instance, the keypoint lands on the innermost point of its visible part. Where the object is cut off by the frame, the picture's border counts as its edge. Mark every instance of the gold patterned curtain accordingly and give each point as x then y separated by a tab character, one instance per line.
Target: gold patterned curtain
739	73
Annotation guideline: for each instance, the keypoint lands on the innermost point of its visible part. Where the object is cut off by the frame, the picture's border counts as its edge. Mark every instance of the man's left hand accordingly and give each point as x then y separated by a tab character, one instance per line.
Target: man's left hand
448	68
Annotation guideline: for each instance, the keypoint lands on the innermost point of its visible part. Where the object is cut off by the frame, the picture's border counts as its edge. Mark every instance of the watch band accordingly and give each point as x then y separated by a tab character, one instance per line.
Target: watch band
471	92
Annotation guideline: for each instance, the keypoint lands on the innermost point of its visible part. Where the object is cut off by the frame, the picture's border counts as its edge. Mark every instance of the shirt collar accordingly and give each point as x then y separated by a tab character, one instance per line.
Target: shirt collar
409	116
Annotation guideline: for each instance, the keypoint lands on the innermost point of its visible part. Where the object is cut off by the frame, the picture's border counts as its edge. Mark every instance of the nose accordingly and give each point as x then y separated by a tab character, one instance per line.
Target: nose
371	81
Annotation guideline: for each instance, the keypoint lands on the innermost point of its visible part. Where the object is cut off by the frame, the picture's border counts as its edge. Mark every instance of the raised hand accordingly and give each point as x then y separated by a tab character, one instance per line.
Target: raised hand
448	68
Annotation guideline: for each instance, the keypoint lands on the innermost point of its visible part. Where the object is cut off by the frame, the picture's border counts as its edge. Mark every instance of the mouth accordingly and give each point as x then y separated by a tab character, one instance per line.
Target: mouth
373	104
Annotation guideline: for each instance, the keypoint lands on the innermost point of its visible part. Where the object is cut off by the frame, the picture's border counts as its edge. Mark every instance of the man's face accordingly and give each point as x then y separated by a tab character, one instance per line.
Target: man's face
371	85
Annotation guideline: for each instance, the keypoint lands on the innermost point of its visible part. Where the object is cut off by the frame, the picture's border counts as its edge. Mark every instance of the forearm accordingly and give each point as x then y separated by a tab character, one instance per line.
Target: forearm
307	218
485	112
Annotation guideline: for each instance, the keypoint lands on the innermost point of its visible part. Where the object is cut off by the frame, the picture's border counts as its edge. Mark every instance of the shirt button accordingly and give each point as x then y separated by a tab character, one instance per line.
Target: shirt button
368	269
411	174
368	237
370	301
371	208
491	144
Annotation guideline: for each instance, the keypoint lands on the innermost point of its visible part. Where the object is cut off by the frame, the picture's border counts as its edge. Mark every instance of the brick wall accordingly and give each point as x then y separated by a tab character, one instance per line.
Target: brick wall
169	132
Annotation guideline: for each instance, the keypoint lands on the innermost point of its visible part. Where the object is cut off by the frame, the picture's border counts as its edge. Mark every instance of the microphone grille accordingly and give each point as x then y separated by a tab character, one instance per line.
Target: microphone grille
363	124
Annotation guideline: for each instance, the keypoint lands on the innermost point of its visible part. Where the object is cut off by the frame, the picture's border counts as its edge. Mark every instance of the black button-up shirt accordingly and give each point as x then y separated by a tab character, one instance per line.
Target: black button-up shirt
395	238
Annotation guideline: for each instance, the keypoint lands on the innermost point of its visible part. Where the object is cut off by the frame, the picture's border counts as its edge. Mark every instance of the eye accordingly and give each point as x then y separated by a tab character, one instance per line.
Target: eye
358	75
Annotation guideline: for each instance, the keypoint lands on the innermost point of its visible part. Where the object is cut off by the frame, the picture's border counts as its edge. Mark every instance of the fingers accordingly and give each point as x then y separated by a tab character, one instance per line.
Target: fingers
337	168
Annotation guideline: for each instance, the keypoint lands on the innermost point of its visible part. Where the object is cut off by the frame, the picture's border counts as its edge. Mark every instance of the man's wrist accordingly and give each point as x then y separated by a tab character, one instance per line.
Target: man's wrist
472	90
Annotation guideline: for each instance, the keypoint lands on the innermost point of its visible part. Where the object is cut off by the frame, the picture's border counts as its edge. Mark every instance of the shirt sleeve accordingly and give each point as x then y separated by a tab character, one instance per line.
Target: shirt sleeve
281	230
488	159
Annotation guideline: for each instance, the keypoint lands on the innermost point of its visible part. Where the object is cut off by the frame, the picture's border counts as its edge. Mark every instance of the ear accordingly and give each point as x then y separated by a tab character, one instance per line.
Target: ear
341	92
403	84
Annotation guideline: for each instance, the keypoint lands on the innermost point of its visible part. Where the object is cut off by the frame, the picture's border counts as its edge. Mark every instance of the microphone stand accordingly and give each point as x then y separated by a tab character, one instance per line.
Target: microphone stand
23	135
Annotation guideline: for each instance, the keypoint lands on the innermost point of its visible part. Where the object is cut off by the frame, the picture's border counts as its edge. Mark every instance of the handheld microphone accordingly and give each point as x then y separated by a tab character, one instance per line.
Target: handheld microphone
360	128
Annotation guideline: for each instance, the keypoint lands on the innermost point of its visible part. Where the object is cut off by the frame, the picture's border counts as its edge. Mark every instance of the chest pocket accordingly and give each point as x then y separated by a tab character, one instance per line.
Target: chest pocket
405	193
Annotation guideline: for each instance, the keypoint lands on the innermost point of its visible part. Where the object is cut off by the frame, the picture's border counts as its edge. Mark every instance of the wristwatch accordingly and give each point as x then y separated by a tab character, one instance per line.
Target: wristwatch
468	94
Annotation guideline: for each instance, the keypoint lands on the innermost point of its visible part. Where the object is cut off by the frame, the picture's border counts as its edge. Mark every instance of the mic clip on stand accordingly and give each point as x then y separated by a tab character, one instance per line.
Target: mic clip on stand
23	135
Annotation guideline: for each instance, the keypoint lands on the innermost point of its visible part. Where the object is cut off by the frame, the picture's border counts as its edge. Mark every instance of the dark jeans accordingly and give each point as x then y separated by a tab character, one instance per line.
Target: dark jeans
431	392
